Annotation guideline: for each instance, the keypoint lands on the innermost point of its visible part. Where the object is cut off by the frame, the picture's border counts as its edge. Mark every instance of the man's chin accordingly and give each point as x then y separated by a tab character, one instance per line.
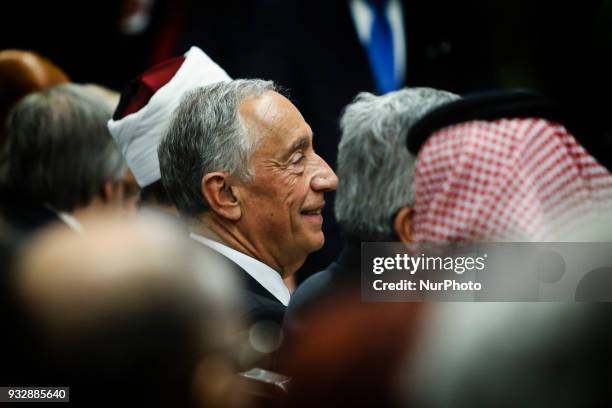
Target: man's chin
317	242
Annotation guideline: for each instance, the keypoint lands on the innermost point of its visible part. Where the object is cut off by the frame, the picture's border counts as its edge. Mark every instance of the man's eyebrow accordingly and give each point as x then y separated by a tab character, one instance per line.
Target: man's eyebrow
300	143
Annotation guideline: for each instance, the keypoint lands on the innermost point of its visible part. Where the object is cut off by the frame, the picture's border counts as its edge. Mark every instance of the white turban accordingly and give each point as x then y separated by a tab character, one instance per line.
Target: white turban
139	133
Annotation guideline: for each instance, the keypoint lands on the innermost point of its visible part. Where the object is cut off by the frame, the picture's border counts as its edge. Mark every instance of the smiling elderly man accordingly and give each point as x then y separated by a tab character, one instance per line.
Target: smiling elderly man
238	162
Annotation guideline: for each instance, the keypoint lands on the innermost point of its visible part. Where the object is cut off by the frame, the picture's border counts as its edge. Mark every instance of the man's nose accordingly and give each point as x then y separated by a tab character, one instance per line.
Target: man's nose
324	178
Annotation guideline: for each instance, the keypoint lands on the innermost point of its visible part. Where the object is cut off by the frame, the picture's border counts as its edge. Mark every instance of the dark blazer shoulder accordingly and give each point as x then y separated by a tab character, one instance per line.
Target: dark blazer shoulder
260	304
256	302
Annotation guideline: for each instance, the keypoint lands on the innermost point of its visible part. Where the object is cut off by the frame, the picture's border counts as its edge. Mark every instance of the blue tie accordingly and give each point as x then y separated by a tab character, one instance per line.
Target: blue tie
380	49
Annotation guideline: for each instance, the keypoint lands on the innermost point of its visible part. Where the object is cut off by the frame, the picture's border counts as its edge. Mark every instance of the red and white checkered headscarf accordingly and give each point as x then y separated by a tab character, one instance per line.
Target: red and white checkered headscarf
509	179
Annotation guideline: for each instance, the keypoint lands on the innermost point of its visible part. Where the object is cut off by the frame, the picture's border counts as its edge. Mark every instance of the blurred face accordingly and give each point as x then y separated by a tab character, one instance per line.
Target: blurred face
281	205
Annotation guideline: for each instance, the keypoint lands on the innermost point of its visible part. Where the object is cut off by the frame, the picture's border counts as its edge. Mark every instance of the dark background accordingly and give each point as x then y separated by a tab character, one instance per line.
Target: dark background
311	49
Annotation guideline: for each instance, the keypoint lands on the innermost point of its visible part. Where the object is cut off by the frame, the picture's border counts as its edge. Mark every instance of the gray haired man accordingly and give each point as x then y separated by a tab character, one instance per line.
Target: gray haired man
374	197
60	161
239	164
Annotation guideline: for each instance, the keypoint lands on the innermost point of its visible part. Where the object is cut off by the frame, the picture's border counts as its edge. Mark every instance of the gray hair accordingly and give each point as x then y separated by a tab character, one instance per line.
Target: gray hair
375	169
205	135
59	150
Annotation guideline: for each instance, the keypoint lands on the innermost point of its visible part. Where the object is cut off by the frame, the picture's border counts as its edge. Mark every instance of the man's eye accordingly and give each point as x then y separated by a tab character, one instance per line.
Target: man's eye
297	159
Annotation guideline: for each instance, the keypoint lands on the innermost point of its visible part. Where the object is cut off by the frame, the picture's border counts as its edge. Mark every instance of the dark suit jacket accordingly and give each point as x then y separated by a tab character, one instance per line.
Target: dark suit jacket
255	302
255	305
259	304
341	278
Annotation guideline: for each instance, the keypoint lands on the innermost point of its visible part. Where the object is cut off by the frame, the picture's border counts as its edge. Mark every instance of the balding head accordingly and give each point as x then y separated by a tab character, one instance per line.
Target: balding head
23	72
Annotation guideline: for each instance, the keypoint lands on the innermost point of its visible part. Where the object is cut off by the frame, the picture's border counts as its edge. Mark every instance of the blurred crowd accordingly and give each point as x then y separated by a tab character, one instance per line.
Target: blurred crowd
185	188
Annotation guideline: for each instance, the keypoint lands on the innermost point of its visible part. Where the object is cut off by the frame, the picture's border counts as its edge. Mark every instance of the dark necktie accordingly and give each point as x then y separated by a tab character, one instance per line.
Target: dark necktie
380	48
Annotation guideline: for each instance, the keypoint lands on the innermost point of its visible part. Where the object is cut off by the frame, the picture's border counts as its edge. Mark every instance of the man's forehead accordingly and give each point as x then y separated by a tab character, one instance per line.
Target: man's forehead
273	113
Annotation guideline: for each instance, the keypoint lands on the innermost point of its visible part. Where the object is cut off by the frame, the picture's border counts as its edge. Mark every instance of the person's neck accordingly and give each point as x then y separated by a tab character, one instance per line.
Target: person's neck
95	206
229	234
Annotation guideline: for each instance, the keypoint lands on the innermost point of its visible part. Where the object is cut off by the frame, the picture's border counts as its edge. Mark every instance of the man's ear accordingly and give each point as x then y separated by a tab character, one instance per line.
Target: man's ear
403	224
112	192
217	190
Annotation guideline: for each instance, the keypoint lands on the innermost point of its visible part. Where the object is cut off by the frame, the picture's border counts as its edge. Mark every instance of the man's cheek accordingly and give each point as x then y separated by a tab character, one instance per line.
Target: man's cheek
288	192
280	227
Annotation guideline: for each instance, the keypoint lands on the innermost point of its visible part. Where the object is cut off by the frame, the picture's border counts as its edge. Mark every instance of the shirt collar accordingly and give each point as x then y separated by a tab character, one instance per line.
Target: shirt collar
68	219
262	273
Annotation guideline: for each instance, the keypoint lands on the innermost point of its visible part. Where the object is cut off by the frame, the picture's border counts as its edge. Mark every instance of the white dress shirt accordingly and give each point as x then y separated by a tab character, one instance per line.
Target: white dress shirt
68	219
362	17
262	273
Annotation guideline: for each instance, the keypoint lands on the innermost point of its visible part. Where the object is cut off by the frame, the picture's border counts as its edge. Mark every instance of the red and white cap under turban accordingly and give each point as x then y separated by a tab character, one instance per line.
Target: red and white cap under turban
142	118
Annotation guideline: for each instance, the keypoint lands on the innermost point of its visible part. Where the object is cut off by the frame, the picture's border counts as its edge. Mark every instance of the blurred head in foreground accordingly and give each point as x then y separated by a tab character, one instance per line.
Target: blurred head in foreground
60	156
512	354
128	312
23	72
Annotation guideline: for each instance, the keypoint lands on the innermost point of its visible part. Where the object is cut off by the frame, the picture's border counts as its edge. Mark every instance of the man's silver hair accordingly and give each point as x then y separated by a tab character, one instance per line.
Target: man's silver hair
375	169
59	151
206	134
